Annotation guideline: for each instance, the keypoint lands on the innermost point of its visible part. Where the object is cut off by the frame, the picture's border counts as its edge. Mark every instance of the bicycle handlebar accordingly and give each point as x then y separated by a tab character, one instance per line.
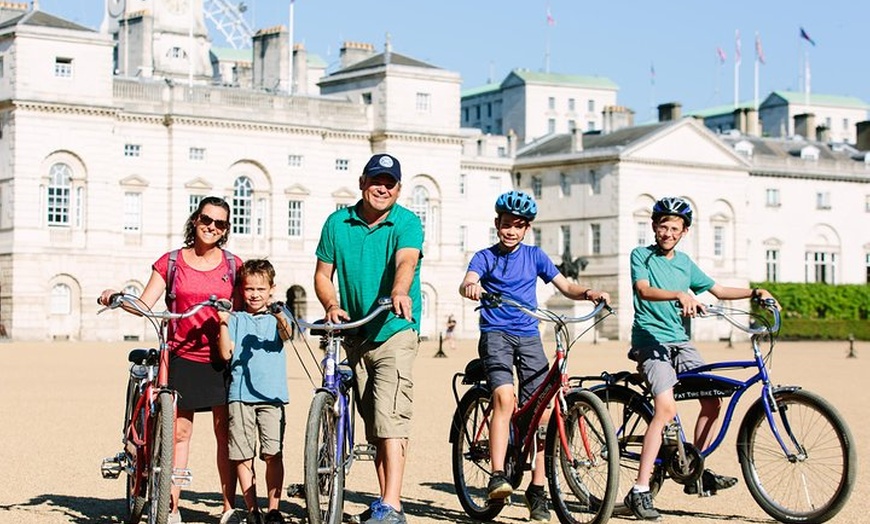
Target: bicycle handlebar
496	300
725	313
138	307
384	304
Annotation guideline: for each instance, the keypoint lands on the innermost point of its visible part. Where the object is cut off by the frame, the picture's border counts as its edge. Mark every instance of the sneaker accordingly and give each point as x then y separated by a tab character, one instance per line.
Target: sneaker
536	501
174	518
254	517
359	518
710	483
499	487
641	504
386	514
230	517
274	517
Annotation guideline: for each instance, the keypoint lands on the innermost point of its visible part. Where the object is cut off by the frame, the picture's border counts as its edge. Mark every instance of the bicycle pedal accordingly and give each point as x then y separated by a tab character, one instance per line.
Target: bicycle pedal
182	477
112	467
364	452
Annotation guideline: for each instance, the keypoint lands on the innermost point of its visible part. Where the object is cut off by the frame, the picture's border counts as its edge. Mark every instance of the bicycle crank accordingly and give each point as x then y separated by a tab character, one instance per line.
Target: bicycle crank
112	467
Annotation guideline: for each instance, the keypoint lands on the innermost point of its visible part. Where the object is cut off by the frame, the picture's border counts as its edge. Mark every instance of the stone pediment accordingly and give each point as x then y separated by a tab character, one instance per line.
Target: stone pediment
198	183
297	190
685	142
344	193
133	181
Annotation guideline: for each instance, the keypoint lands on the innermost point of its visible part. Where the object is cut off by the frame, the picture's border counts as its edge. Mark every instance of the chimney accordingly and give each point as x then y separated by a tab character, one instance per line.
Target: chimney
354	52
300	69
739	120
511	143
862	143
576	140
616	118
271	59
751	118
823	134
805	125
670	111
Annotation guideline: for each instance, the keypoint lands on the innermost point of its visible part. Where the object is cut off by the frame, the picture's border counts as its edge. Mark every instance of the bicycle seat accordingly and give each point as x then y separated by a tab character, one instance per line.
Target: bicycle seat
474	372
138	356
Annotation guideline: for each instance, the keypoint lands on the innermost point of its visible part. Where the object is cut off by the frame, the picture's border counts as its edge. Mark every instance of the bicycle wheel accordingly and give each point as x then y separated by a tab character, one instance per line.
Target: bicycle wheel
630	413
324	472
471	461
136	495
814	483
162	442
583	478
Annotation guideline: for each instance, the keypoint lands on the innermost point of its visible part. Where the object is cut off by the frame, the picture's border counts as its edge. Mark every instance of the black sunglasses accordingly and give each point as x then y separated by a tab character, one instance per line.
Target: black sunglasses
207	221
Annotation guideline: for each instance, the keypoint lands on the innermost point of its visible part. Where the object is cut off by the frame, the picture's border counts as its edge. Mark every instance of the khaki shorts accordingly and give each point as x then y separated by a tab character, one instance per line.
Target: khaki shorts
247	422
660	364
384	385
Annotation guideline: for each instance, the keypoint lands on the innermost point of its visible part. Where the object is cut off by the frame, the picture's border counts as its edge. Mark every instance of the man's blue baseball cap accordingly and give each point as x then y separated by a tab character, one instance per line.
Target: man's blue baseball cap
383	163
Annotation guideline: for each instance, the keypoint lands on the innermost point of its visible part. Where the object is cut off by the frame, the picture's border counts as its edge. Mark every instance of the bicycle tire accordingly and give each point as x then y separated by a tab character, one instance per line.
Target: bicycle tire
781	485
470	456
135	498
162	456
324	472
583	492
630	413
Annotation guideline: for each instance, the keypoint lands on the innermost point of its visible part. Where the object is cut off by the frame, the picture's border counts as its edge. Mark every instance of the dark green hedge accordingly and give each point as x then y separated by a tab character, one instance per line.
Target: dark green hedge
822	311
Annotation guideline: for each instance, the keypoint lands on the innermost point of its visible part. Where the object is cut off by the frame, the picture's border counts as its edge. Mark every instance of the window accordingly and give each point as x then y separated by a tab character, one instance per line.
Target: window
132	211
823	200
367	99
424	102
193	203
501	152
420	205
828	122
342	164
564	184
63	67
595	238
341	205
176	52
719	241
294	160
536	233
867	203
260	218
465	114
294	218
594	182
79	206
551	103
572	125
551	125
61	299
590	105
463	239
60	181
565	238
489	110
642	232
821	266
463	184
477	112
132	150
536	187
771	263
242	206
424	304
590	126
493	235
845	124
571	104
771	197
196	153
495	185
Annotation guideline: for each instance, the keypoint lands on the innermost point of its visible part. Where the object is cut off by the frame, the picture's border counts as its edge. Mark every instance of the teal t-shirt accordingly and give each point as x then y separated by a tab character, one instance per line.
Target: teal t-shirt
365	264
657	322
258	368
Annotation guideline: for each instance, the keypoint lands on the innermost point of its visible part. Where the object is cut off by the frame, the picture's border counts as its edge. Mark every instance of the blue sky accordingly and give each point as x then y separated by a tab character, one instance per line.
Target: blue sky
622	40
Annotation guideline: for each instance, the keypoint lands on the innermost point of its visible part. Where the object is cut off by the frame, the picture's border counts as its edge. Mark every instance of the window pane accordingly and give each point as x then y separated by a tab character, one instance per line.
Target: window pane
132	211
58	201
242	205
61	300
294	218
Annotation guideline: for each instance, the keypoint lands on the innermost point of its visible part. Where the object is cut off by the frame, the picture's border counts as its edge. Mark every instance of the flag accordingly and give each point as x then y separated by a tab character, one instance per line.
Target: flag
806	36
737	56
721	54
550	20
652	74
759	53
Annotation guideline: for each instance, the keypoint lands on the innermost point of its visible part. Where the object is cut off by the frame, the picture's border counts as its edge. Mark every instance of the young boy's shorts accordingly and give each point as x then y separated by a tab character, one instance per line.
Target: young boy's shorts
384	384
660	364
247	422
501	351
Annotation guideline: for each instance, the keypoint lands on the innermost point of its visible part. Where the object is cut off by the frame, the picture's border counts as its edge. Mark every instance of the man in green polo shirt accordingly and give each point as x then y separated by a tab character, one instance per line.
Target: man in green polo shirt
374	249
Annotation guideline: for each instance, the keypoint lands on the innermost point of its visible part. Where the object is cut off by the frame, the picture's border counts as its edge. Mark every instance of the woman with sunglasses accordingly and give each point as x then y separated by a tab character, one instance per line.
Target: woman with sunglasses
196	371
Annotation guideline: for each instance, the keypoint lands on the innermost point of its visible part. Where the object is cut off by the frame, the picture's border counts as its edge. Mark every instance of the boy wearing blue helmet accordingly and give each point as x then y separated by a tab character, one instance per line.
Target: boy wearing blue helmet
508	337
660	344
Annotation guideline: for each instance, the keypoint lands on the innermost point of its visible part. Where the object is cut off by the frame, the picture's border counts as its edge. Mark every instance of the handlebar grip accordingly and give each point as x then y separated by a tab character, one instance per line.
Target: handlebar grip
276	307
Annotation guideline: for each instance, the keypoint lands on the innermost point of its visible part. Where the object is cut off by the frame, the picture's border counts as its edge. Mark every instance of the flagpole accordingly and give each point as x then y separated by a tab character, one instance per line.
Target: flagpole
290	38
807	78
737	60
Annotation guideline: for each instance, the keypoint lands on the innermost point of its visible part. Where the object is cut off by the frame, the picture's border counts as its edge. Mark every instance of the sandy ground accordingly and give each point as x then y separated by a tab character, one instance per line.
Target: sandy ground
61	408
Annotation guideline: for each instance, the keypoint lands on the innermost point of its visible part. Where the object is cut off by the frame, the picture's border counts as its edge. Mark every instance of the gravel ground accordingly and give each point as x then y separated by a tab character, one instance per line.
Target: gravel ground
61	412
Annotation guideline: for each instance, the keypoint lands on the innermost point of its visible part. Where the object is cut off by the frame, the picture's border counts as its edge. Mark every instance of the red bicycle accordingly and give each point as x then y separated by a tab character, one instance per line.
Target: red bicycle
149	417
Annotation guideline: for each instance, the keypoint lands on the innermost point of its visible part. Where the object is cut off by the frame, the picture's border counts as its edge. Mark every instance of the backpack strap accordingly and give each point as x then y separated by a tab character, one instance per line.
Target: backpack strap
170	279
231	264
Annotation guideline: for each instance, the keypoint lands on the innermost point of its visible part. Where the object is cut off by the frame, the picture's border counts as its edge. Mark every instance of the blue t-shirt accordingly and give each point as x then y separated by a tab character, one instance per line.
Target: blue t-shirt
514	275
258	368
659	322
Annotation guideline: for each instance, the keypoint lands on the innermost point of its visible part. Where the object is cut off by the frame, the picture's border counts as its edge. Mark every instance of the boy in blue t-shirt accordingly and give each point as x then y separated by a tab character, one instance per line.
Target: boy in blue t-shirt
509	336
660	344
253	342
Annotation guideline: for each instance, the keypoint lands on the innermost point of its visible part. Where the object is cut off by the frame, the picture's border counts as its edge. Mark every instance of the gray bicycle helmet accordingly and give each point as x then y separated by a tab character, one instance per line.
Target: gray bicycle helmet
517	203
673	206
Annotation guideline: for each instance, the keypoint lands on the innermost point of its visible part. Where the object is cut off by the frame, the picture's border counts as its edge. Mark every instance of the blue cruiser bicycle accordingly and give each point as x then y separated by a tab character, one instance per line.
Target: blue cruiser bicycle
796	453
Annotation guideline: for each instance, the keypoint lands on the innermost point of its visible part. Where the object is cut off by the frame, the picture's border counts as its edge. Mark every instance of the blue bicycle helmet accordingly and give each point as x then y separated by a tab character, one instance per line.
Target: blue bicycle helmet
673	206
517	203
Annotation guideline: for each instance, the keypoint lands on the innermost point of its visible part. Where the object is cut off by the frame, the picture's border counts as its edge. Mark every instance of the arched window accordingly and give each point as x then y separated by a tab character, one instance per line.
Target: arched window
61	300
243	192
420	205
59	185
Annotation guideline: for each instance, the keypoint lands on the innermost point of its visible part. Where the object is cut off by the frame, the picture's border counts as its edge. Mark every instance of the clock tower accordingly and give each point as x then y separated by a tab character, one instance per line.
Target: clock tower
160	38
